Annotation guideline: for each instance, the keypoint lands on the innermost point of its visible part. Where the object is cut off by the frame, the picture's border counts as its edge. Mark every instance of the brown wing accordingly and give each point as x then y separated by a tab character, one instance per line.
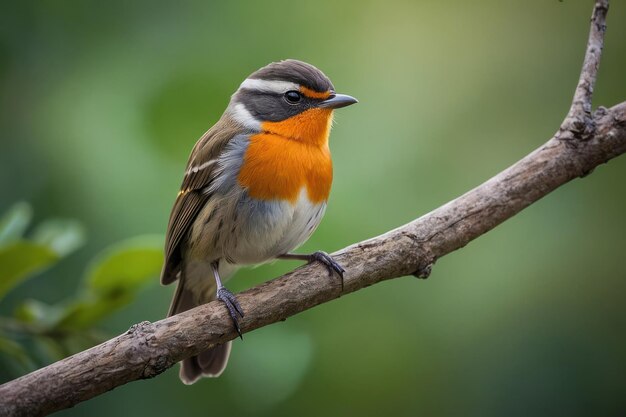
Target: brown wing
200	172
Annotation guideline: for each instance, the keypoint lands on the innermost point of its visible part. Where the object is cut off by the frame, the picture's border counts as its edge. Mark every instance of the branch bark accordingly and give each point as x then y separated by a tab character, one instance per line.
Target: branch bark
583	142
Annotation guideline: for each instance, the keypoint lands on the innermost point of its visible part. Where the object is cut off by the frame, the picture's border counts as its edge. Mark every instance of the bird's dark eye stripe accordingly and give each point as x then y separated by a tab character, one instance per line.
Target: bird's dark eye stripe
293	96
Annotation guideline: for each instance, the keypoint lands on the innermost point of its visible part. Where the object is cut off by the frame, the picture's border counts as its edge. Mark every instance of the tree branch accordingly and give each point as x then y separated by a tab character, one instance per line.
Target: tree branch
583	142
579	120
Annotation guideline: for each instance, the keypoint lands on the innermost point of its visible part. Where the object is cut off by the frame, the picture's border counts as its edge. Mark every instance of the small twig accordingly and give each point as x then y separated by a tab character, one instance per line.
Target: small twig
579	122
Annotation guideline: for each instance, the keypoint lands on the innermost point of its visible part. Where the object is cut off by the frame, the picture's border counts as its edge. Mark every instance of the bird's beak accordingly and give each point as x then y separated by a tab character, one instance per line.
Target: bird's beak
336	101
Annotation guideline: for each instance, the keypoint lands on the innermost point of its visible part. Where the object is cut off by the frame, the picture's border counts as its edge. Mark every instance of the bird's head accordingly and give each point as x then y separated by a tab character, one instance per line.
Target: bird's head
289	98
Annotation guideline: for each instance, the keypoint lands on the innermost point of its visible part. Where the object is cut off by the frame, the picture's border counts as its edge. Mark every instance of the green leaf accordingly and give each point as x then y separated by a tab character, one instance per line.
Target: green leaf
14	223
125	266
16	352
113	279
62	236
20	260
36	312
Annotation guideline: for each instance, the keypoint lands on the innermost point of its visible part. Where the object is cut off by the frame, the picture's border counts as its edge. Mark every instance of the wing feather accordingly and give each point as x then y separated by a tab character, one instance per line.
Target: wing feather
200	173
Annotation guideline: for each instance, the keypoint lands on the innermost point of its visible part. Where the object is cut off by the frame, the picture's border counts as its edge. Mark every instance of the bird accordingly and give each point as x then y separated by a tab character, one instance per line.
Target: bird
255	188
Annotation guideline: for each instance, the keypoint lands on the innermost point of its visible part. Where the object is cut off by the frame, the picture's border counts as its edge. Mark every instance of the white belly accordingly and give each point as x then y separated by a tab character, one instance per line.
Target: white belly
268	229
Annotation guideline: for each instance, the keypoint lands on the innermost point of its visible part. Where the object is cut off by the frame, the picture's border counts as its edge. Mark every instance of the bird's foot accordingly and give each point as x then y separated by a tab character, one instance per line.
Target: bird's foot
323	258
328	262
233	306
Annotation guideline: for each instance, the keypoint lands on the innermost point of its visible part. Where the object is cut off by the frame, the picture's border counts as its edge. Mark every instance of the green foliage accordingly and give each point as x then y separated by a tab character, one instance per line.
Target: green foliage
20	257
20	260
14	223
37	332
113	279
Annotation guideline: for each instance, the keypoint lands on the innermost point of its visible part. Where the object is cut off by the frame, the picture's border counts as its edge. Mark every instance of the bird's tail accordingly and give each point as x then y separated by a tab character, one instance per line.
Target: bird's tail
211	362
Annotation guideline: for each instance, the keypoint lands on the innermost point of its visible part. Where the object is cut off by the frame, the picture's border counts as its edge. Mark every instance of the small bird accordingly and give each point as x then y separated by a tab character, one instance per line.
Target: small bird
255	188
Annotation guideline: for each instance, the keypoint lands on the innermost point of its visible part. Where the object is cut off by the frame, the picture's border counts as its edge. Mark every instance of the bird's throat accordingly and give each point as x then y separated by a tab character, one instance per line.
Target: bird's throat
289	156
311	127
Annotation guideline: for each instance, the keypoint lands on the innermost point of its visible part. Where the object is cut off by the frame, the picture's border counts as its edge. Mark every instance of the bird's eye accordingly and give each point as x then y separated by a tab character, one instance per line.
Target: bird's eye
293	96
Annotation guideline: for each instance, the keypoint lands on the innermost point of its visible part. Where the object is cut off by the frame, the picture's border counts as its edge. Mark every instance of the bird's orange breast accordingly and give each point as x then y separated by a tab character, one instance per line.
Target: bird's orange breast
289	155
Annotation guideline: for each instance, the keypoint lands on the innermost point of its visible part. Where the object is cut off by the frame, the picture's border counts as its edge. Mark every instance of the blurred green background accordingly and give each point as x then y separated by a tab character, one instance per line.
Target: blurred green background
102	101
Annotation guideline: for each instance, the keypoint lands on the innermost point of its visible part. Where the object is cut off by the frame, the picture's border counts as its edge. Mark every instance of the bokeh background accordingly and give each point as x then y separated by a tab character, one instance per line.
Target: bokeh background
100	103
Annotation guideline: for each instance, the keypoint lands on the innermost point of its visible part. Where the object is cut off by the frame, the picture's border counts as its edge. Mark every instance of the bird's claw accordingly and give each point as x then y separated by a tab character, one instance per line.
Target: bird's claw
233	306
330	264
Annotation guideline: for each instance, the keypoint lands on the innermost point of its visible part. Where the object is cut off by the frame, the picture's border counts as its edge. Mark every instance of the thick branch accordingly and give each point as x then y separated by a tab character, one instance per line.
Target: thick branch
148	349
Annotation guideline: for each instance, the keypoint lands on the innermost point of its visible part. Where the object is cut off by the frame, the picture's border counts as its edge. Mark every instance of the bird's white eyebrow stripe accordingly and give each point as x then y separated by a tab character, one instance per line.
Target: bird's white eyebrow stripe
270	86
243	116
193	170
